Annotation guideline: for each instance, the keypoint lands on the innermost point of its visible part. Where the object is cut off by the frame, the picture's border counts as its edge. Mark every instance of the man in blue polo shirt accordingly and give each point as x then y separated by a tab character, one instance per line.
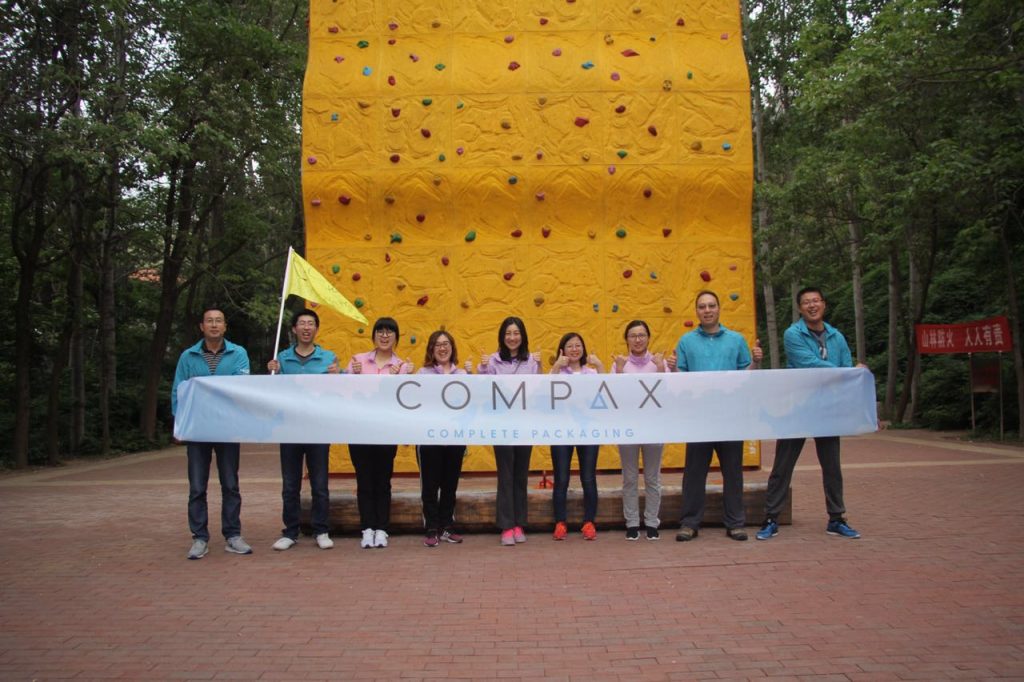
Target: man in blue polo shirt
305	357
212	355
810	342
708	348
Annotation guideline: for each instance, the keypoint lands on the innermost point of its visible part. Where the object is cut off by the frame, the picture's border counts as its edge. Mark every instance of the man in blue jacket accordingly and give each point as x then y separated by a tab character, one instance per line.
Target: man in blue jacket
810	342
213	355
305	357
712	347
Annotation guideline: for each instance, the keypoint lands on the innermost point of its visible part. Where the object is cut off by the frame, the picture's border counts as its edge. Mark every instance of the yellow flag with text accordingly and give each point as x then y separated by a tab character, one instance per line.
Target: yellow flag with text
304	280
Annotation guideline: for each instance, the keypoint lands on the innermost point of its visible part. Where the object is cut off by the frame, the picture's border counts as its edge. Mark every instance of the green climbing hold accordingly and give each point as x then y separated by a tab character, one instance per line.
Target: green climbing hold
360	331
471	235
441	157
412	339
512	179
734	297
689	75
620	233
459	105
363	44
396	238
427	101
359	303
335	268
439	66
622	153
615	308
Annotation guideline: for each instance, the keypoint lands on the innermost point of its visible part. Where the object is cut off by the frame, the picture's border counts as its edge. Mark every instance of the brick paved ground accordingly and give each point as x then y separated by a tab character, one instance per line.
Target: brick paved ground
94	584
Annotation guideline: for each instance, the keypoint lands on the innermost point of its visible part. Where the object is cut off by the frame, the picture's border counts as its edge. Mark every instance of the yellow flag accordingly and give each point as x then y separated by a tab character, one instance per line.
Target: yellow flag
305	281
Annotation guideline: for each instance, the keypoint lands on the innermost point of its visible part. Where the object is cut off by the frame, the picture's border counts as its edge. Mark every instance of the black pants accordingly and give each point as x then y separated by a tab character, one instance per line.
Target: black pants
316	457
513	462
695	478
374	465
787	452
440	469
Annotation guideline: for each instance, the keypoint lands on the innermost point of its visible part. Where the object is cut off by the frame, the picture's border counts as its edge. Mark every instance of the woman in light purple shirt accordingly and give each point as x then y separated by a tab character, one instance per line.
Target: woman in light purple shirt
440	465
513	461
573	359
374	464
641	361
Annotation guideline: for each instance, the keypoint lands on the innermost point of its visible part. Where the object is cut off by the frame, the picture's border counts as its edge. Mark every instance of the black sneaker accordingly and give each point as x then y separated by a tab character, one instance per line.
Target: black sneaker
686	534
633	533
652	533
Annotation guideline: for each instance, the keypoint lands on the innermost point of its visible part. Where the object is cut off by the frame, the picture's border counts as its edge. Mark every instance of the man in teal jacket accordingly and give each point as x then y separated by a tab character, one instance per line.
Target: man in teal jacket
810	342
212	355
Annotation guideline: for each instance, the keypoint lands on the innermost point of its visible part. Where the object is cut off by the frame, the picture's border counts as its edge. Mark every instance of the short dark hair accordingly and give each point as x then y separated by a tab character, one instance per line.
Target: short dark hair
207	308
809	290
566	338
428	359
635	323
524	350
708	292
305	312
388	323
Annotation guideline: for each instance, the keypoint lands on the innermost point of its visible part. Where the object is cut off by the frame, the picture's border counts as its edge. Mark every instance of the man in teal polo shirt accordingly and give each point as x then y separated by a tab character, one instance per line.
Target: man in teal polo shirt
305	357
708	348
213	355
810	342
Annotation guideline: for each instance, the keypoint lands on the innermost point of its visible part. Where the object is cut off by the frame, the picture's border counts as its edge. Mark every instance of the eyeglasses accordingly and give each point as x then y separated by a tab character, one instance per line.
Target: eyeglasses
384	332
636	337
442	344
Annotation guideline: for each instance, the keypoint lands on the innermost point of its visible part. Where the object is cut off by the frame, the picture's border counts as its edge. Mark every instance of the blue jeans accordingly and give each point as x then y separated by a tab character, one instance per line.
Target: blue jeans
561	461
316	457
199	457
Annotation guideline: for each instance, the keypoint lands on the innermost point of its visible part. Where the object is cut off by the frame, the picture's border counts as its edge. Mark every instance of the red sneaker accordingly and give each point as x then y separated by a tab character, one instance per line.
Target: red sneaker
589	532
560	531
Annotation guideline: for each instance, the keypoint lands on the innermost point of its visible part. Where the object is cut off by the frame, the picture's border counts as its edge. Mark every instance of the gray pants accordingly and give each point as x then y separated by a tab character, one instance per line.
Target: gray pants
630	455
695	478
787	451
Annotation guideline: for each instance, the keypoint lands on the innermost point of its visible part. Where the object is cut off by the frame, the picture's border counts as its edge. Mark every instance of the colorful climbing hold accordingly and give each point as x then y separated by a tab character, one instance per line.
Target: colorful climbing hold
615	75
580	121
391	80
513	65
615	307
540	155
733	267
696	145
334	116
725	36
705	275
395	112
545	232
414	57
666	231
630	53
344	199
597	307
734	297
387	257
538	300
620	233
508	276
441	157
391	41
367	70
509	38
648	192
587	65
652	130
412	339
363	44
439	66
389	199
688	323
726	146
424	132
394	158
339	58
540	196
356	277
611	170
361	330
689	75
654	275
359	303
680	22
471	235
608	40
422	300
622	153
517	233
585	156
512	179
506	125
557	52
460	151
621	109
666	309
420	217
627	273
426	101
315	202
543	21
311	160
591	233
332	29
445	261
666	85
396	238
392	25
335	268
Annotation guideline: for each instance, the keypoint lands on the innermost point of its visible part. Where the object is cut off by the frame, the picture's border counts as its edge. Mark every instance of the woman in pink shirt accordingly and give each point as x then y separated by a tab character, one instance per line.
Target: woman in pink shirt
440	465
374	464
573	359
513	461
640	360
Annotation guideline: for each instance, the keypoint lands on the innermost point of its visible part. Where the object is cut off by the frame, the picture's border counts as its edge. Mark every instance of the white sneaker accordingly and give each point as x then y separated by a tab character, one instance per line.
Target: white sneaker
283	543
367	540
324	541
380	539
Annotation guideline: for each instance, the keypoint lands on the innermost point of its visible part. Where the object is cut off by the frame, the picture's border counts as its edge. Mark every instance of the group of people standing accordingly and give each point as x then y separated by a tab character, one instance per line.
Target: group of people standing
809	342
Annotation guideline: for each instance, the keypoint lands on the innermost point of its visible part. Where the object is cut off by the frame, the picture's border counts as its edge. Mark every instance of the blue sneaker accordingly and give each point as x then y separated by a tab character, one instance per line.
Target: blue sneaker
840	528
769	529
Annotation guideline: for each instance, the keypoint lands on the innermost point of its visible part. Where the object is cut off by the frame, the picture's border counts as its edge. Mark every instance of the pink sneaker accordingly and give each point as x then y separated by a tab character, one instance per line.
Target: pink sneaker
519	534
508	538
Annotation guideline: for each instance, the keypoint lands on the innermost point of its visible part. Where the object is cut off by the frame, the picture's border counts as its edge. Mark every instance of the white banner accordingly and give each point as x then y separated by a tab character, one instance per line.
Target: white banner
539	409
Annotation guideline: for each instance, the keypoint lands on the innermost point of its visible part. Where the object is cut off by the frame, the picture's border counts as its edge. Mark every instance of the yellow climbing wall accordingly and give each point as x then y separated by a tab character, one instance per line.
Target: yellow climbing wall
578	163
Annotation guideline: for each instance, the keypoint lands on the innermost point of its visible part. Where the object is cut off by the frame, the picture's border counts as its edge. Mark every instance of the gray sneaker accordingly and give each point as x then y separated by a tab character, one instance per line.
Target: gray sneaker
236	545
199	549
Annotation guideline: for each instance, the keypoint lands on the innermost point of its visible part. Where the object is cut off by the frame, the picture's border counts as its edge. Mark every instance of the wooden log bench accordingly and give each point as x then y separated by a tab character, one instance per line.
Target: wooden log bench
475	506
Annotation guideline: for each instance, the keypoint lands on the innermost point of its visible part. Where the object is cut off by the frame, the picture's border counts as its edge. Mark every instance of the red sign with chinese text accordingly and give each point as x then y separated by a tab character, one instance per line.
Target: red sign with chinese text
981	336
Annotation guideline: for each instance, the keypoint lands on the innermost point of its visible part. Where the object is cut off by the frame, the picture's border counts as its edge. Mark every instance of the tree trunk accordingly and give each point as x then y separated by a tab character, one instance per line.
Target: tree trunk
858	289
763	218
76	295
895	297
1013	313
60	363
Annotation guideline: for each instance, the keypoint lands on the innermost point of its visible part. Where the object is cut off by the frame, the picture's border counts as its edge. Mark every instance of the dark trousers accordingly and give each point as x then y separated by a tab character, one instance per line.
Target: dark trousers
440	469
561	463
513	463
316	457
787	452
200	456
695	478
374	465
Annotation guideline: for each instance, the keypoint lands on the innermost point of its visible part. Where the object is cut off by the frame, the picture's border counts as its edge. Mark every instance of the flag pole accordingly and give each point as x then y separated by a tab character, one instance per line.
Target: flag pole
284	295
